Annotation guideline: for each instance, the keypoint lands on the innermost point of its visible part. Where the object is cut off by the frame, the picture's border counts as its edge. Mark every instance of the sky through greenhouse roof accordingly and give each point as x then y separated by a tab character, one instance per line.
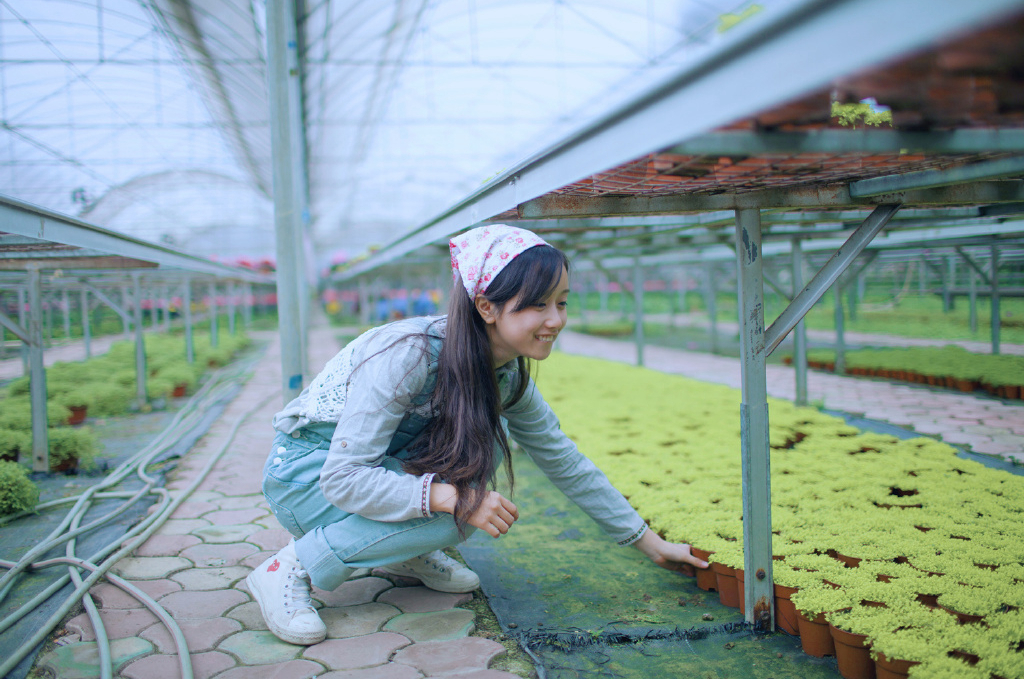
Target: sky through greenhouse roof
150	116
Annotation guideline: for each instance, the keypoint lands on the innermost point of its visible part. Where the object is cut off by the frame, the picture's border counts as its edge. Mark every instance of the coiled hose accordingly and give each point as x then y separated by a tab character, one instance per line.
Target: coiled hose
190	416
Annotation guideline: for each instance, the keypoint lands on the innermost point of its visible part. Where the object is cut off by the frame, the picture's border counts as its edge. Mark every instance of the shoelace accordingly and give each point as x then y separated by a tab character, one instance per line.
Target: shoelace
440	561
296	591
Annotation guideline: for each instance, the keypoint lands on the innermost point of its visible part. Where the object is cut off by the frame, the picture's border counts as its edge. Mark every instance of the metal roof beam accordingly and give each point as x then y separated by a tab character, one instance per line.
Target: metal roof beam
928	179
562	206
758	65
32	221
748	143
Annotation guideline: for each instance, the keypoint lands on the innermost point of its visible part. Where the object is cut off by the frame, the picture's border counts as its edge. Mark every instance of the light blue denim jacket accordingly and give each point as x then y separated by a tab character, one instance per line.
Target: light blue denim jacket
385	404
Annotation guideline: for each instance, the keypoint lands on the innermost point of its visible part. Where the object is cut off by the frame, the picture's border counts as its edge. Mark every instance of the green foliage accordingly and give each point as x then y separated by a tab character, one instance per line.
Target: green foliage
852	115
731	19
911	510
67	443
17	492
14	442
16	413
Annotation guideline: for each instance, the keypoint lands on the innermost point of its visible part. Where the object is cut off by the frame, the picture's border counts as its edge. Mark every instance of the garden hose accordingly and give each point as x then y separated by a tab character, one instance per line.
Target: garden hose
182	422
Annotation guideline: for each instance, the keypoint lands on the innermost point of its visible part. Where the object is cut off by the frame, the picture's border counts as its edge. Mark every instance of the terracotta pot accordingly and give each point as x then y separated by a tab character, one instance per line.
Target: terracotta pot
726	580
65	466
850	561
179	390
892	669
962	618
706	579
1011	391
815	637
853	654
77	414
785	611
929	600
965	385
741	594
11	456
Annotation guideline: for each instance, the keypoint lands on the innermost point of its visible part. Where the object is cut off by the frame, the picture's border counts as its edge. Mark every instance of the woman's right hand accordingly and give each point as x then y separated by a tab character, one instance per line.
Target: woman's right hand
495	514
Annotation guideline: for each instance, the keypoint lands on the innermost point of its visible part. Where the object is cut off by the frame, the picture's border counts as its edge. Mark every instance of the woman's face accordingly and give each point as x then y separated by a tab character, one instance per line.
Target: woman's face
532	331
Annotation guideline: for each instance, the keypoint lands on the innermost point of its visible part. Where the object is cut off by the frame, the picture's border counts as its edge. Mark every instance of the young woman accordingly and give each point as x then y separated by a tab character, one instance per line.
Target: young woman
387	456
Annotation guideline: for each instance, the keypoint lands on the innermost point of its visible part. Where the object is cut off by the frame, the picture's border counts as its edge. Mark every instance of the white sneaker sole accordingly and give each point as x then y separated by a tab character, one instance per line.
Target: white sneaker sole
298	638
438	585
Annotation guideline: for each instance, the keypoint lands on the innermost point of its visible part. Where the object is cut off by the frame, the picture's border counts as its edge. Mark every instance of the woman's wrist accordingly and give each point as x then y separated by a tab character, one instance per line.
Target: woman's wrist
442	498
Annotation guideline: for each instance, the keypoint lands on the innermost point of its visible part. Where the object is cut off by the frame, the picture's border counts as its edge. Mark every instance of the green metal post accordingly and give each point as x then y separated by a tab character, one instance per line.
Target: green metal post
638	314
37	374
994	280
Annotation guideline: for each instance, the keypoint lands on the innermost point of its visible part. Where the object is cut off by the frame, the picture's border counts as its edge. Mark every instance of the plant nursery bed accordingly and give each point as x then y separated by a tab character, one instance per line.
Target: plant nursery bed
898	539
586	607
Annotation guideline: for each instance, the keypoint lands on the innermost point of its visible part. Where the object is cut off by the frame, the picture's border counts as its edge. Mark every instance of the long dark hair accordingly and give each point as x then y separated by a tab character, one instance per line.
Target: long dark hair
458	443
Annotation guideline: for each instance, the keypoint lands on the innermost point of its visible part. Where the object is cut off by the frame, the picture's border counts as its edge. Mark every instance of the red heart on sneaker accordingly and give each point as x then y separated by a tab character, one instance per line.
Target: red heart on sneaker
274	566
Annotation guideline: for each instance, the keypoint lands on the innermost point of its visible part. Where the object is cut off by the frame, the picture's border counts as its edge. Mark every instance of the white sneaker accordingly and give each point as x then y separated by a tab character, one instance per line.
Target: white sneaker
437	571
281	588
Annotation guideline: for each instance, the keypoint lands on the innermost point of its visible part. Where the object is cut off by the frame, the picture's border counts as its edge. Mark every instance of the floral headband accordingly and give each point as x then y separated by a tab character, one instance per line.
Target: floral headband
480	254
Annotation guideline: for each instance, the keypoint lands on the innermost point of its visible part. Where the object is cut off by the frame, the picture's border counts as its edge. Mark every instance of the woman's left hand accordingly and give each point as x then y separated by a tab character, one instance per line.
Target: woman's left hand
669	555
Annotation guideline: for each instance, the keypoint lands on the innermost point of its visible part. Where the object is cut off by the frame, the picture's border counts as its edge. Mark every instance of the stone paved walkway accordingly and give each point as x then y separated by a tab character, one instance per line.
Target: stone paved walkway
379	626
982	423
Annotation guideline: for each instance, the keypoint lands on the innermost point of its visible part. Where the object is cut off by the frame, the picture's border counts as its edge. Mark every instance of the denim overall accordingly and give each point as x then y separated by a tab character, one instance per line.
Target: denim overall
329	542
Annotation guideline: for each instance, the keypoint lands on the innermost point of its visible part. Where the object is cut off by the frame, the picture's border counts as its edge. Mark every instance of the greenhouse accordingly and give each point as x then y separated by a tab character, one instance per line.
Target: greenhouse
745	290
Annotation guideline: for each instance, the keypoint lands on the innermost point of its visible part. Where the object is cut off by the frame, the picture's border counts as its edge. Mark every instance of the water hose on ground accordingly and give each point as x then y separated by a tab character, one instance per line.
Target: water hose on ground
185	419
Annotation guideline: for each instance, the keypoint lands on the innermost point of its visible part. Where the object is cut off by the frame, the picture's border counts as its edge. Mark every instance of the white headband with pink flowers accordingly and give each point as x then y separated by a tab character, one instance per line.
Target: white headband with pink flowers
480	254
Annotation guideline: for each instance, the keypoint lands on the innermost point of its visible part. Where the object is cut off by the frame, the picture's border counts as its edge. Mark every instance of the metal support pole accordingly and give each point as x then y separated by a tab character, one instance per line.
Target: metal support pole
126	305
638	312
994	280
231	307
247	306
603	292
757	520
922	277
86	329
66	308
364	302
214	312
828	274
186	310
165	303
951	278
48	319
710	301
972	298
583	300
840	365
800	332
285	114
37	374
22	321
140	342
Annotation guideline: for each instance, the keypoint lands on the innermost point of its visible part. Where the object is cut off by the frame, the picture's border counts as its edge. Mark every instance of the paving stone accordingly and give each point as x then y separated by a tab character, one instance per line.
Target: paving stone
249	616
204	666
440	657
193	509
109	596
347	654
481	674
157	589
200	635
293	669
191	605
229	517
352	592
119	623
353	621
150	567
208	579
254	560
225	534
422	599
260	648
270	539
243	502
389	671
434	626
201	496
398	580
218	555
166	545
182	526
82	660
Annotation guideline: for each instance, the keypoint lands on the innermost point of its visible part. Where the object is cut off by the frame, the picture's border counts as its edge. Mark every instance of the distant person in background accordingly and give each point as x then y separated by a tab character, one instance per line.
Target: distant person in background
386	457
